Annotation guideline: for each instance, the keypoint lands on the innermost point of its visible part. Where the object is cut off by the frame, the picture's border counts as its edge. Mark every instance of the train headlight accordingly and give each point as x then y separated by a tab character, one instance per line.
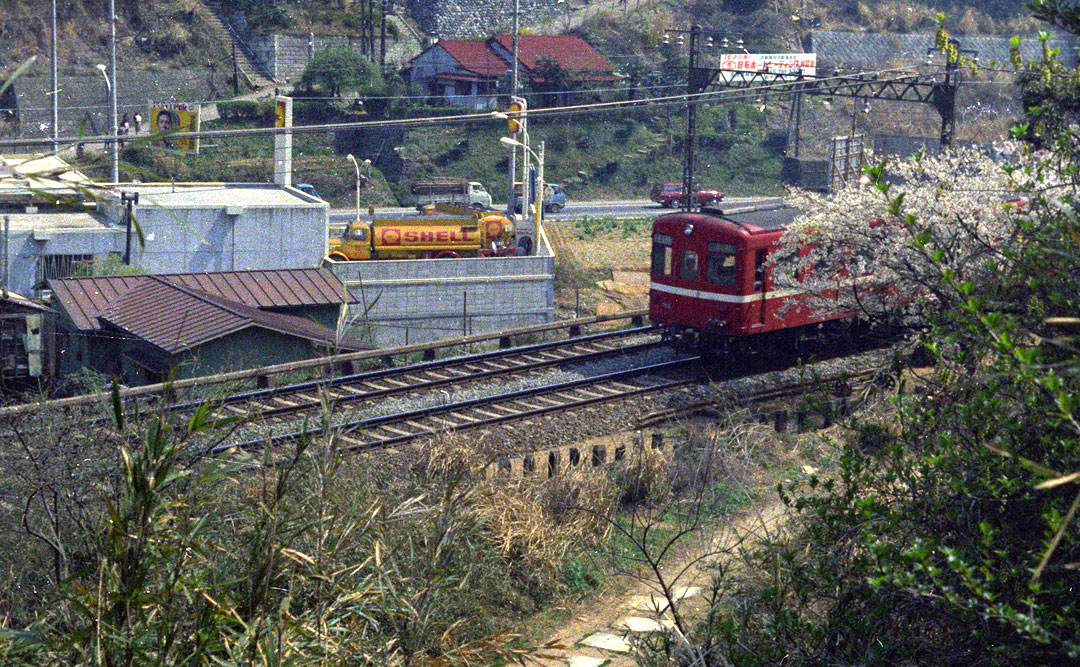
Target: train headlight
688	229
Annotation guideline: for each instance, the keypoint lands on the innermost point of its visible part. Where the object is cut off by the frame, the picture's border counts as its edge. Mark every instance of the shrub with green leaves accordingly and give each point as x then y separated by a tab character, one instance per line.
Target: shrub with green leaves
949	533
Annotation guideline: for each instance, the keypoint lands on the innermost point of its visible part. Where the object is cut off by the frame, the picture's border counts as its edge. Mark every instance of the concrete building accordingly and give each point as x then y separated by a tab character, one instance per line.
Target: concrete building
184	228
398	302
220	227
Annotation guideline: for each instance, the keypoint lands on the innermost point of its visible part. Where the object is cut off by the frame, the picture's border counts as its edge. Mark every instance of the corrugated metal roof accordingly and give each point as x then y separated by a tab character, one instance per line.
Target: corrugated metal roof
176	318
85	299
43	179
13	301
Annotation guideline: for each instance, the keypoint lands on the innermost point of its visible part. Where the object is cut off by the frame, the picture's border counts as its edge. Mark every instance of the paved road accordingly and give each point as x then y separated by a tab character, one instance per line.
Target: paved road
634	208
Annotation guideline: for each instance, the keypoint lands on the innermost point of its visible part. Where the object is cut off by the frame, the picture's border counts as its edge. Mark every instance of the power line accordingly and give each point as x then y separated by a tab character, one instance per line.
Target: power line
726	95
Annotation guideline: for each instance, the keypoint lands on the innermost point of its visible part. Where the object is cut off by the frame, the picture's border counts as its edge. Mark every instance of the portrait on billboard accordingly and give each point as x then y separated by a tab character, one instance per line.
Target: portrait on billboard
174	117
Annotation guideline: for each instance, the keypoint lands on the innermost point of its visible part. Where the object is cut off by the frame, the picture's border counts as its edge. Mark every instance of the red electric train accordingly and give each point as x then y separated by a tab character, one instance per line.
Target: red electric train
713	282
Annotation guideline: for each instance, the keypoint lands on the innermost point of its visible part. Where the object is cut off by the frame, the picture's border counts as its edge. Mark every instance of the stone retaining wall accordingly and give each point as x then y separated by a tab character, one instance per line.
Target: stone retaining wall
561	460
477	19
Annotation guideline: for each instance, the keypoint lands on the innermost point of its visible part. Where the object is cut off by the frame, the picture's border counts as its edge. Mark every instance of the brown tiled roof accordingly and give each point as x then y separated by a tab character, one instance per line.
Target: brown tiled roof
86	298
176	318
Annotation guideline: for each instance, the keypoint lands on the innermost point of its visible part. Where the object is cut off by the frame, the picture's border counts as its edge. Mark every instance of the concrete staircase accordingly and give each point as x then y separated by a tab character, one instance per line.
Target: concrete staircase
246	64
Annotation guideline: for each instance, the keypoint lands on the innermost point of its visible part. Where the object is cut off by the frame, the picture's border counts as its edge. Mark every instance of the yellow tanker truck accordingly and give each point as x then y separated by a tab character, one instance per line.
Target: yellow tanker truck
443	232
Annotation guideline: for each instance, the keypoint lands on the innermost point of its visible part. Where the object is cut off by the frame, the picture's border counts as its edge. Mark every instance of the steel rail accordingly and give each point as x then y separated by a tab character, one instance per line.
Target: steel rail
448	362
359	387
348	429
760	396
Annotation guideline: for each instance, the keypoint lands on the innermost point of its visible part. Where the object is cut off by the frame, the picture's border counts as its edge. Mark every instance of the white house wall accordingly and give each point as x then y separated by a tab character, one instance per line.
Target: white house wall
434	61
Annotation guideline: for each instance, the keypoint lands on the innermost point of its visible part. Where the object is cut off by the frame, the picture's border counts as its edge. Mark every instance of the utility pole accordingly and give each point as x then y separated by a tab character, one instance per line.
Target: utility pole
691	113
127	199
112	92
54	87
513	91
382	36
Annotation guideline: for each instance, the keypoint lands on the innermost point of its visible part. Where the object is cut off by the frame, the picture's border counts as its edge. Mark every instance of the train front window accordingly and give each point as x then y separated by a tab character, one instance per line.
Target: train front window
688	265
661	255
720	263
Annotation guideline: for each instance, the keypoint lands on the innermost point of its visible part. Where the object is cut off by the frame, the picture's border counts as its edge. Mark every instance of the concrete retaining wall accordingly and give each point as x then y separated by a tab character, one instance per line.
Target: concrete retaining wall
400	302
84	100
286	56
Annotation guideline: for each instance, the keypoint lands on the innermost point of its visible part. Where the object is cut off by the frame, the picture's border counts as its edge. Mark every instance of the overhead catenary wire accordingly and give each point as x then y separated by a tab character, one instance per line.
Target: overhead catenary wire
723	95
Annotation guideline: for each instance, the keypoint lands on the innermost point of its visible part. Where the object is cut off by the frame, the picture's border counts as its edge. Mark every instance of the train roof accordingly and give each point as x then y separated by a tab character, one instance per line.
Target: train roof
770	219
750	221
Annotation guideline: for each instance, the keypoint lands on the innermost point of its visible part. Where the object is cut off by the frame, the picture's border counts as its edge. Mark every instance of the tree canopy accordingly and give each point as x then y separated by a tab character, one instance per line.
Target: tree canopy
336	70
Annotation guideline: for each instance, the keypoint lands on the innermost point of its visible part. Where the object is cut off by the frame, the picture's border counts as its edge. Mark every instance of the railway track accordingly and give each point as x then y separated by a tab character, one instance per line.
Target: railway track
836	385
396	429
296	399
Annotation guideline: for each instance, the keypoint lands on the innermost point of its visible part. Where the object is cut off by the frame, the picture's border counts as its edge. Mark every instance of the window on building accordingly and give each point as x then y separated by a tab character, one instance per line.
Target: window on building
63	266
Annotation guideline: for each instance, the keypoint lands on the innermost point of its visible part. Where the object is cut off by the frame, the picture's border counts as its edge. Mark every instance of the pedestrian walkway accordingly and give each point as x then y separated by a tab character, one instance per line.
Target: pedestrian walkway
614	645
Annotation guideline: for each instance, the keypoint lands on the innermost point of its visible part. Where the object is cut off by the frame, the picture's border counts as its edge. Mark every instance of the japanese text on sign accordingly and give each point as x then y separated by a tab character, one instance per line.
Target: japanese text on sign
733	65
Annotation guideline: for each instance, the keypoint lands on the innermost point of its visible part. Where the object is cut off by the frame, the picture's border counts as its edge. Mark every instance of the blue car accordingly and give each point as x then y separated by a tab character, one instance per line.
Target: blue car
554	198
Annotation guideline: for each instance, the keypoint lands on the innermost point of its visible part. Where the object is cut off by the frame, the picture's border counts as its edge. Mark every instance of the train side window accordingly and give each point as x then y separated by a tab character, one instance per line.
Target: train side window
661	255
688	265
720	263
759	270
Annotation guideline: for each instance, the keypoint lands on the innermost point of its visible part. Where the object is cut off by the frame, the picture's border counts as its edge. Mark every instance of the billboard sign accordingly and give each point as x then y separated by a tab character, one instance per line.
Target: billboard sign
734	65
176	117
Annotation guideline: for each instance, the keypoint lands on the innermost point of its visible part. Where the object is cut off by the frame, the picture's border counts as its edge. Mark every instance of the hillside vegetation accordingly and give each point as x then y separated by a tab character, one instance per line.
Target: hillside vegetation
168	32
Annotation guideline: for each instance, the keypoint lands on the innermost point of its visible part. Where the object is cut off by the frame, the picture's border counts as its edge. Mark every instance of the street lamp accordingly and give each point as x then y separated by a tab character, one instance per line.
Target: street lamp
523	128
111	124
507	141
367	167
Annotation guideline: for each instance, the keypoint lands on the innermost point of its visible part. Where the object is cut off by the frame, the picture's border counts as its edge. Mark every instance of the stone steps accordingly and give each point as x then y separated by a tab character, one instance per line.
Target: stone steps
245	64
606	645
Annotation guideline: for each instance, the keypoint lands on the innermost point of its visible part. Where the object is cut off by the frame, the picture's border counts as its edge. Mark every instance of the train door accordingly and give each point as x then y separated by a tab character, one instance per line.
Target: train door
759	282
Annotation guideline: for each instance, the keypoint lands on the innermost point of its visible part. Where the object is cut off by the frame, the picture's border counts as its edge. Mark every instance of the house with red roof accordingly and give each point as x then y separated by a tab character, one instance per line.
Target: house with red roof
466	72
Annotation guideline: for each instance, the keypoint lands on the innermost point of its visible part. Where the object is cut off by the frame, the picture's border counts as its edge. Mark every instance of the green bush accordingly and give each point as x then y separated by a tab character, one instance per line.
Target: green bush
238	110
307	112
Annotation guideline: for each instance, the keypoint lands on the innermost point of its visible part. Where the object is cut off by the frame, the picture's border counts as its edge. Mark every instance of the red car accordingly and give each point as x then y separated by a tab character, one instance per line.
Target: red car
672	194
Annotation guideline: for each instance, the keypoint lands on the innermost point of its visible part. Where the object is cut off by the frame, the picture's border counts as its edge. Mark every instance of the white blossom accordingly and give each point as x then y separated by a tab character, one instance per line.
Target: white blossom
952	215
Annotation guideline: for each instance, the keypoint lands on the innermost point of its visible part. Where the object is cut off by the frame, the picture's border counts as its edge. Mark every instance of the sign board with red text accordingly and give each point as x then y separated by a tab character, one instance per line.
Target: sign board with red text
734	65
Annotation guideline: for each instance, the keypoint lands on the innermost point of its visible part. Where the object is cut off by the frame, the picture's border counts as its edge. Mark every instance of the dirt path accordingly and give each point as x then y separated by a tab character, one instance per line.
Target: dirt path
602	632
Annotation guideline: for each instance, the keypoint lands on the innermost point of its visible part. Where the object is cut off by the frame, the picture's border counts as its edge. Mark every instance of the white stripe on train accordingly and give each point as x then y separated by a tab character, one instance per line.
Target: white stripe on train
724	298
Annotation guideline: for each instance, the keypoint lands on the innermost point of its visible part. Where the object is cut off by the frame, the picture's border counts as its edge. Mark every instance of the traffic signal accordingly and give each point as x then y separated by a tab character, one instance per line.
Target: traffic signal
517	108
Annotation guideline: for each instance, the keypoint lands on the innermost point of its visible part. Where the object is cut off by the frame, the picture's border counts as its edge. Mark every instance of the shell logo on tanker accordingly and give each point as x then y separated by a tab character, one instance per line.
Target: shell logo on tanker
396	236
